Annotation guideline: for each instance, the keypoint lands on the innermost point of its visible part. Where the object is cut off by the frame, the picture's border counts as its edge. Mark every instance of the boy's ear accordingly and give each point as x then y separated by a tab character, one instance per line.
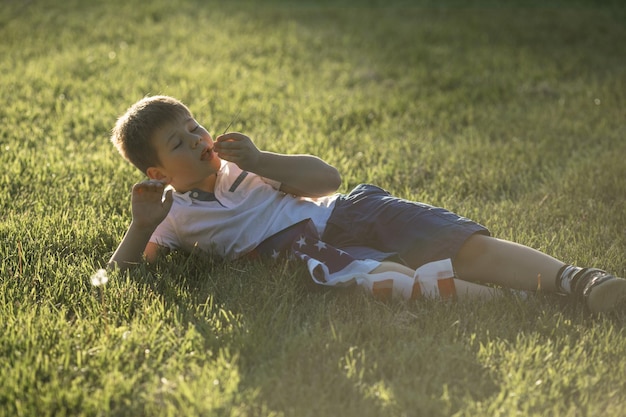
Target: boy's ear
155	173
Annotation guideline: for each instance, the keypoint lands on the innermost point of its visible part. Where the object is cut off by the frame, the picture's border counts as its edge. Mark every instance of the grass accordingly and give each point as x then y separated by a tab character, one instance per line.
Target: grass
511	114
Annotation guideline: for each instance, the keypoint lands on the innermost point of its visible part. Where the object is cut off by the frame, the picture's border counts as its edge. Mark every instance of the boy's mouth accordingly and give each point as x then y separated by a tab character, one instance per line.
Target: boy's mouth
207	154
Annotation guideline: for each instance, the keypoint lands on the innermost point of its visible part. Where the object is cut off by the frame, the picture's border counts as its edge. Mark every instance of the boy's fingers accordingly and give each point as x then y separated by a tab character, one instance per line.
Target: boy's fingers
224	137
231	137
168	200
138	188
226	146
148	186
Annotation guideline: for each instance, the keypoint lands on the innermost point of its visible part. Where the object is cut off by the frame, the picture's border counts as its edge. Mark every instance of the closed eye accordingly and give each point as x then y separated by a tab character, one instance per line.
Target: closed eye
177	145
195	128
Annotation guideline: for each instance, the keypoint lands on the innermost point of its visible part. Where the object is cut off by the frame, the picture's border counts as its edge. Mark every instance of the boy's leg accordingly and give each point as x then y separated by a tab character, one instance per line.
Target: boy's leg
464	289
487	259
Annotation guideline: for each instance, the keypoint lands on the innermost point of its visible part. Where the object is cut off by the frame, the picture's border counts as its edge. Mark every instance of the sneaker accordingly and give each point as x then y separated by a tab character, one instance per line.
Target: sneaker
599	290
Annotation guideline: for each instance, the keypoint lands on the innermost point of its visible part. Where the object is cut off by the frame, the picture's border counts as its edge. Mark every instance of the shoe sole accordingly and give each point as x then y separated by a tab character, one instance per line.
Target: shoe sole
607	295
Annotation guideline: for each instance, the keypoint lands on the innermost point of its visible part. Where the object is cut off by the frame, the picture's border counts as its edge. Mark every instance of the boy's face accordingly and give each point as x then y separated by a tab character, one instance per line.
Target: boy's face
186	156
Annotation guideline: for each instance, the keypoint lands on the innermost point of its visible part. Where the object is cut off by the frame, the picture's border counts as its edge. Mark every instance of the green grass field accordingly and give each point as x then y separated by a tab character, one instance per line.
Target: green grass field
512	115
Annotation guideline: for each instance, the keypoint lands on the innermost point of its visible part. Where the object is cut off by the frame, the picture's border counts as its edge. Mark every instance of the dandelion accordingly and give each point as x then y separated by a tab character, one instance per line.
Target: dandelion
99	278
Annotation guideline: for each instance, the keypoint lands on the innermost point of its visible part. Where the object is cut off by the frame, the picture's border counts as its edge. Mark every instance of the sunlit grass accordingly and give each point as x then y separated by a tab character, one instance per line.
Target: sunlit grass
512	115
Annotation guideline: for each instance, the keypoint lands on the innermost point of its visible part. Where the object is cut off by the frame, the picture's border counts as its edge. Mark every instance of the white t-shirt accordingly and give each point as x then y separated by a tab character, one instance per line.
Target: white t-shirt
244	210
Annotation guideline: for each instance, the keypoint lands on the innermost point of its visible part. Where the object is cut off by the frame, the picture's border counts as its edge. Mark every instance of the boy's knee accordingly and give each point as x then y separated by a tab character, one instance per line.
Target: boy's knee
474	248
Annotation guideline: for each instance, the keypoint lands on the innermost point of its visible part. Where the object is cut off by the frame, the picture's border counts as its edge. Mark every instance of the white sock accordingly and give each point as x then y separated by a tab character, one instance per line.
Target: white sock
565	278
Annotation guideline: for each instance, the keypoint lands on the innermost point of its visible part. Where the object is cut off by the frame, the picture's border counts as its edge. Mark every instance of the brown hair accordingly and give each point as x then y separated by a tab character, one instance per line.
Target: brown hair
132	134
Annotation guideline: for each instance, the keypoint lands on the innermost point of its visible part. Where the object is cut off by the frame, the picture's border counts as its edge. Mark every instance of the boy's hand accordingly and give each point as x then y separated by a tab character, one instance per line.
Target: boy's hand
149	208
303	175
239	149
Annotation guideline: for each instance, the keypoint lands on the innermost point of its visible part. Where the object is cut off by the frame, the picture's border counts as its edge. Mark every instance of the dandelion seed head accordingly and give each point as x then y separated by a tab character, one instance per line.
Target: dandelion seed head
99	278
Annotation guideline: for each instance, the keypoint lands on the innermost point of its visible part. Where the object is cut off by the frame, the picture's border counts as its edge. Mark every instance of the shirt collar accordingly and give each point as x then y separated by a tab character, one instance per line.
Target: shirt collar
188	198
200	195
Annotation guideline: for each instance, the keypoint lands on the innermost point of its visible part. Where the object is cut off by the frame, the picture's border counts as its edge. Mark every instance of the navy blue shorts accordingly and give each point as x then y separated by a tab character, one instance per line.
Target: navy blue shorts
370	223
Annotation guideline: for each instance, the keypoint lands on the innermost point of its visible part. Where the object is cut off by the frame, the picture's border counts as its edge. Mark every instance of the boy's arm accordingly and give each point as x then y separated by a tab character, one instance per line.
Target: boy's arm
304	175
149	209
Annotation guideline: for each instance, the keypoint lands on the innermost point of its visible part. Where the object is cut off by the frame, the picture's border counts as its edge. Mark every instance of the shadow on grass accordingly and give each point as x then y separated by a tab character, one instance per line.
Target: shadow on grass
301	348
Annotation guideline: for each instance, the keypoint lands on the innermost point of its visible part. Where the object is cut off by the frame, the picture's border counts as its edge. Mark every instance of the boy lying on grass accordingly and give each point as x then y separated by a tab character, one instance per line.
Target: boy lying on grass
227	197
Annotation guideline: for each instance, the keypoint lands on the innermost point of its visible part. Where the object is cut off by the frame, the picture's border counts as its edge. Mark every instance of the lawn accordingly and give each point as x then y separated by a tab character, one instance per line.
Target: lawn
510	113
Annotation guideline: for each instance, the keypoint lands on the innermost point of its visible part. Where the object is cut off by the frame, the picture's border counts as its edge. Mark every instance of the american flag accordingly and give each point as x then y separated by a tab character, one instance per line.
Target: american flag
332	266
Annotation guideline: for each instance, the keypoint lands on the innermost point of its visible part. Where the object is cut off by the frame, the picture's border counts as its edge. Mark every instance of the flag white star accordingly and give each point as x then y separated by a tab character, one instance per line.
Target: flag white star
275	254
320	245
301	242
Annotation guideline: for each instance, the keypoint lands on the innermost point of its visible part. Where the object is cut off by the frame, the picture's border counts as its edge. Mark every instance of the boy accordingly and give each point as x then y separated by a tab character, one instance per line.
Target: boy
227	196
